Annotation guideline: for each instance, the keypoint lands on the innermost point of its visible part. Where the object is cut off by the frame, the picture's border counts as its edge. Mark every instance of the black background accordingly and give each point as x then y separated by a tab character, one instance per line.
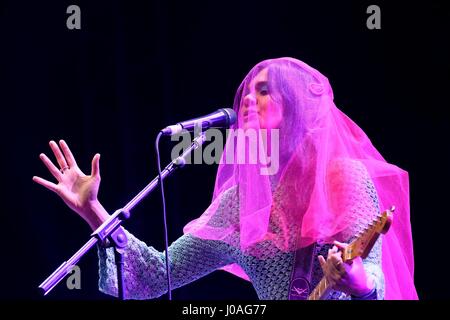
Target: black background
137	66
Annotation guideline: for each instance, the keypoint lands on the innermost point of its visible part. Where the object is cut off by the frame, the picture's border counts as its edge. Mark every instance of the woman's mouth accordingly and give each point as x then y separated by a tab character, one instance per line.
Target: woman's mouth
249	113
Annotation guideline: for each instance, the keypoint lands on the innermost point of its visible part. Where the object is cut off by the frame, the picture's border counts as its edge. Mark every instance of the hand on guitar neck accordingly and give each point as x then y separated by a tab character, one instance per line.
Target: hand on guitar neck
343	269
349	276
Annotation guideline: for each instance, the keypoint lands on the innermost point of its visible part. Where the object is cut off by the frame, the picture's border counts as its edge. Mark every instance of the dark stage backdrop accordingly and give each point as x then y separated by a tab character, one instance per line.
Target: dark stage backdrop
136	66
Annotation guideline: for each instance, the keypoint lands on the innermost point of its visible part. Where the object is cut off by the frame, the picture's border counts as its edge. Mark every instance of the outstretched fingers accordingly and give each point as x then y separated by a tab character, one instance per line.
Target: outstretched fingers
58	154
95	170
50	166
49	185
67	153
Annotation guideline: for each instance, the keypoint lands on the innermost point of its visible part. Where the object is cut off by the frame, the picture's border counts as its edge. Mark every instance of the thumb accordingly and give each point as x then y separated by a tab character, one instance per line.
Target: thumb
95	171
340	245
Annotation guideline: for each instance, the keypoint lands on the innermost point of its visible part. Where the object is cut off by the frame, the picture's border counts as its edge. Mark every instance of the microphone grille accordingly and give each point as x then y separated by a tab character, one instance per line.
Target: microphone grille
231	115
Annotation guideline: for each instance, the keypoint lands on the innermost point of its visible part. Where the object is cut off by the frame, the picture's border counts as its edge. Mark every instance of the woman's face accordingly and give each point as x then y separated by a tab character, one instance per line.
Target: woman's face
259	110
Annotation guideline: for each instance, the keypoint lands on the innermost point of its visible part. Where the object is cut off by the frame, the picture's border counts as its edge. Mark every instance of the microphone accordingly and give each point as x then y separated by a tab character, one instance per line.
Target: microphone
221	118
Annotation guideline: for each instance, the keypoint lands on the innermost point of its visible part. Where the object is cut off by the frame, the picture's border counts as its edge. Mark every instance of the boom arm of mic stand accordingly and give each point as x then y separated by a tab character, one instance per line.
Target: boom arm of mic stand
111	230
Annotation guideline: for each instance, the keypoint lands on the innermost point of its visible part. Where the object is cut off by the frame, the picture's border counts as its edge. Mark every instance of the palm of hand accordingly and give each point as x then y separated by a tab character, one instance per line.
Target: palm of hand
75	188
78	189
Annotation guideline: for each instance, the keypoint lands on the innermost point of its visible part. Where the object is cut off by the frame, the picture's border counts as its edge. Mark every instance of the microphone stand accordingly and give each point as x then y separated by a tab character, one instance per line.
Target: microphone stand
111	233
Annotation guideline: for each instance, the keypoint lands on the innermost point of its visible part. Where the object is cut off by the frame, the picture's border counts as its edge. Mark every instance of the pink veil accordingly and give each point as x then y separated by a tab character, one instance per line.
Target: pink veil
286	198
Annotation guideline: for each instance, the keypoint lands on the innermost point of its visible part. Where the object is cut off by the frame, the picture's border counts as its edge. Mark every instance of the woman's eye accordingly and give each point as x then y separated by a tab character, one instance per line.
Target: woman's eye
264	91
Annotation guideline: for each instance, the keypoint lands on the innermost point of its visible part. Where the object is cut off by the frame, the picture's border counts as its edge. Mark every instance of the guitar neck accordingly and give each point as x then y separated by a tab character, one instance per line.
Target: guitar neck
321	290
358	248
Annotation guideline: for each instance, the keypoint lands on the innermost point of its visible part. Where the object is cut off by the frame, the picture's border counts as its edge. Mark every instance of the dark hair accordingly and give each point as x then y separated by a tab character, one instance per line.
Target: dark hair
288	84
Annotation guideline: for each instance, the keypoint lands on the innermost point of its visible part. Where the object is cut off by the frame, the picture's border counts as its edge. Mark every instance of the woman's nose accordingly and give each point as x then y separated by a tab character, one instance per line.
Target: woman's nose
249	100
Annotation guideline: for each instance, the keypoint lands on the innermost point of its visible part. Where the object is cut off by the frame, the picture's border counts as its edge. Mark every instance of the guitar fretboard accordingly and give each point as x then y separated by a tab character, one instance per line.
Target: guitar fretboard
320	290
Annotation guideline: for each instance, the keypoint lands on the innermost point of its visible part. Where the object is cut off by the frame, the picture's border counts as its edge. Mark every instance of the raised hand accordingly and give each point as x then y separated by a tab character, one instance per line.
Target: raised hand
78	191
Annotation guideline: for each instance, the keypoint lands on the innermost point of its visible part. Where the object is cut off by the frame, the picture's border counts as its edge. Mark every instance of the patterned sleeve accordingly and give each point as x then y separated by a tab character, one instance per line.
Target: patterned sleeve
359	200
145	268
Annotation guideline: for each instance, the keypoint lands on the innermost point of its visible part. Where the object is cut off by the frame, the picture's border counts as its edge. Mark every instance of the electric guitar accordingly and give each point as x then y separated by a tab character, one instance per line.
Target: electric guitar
360	247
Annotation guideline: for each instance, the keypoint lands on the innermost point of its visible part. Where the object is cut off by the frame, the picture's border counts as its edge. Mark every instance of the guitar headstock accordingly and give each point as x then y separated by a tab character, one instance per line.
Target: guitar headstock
365	240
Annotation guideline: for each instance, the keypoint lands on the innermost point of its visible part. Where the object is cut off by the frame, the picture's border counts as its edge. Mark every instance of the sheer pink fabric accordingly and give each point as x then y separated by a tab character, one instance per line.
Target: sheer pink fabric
287	198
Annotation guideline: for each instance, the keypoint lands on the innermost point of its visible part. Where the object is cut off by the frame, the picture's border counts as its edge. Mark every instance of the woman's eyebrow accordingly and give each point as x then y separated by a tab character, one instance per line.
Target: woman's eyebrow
258	85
